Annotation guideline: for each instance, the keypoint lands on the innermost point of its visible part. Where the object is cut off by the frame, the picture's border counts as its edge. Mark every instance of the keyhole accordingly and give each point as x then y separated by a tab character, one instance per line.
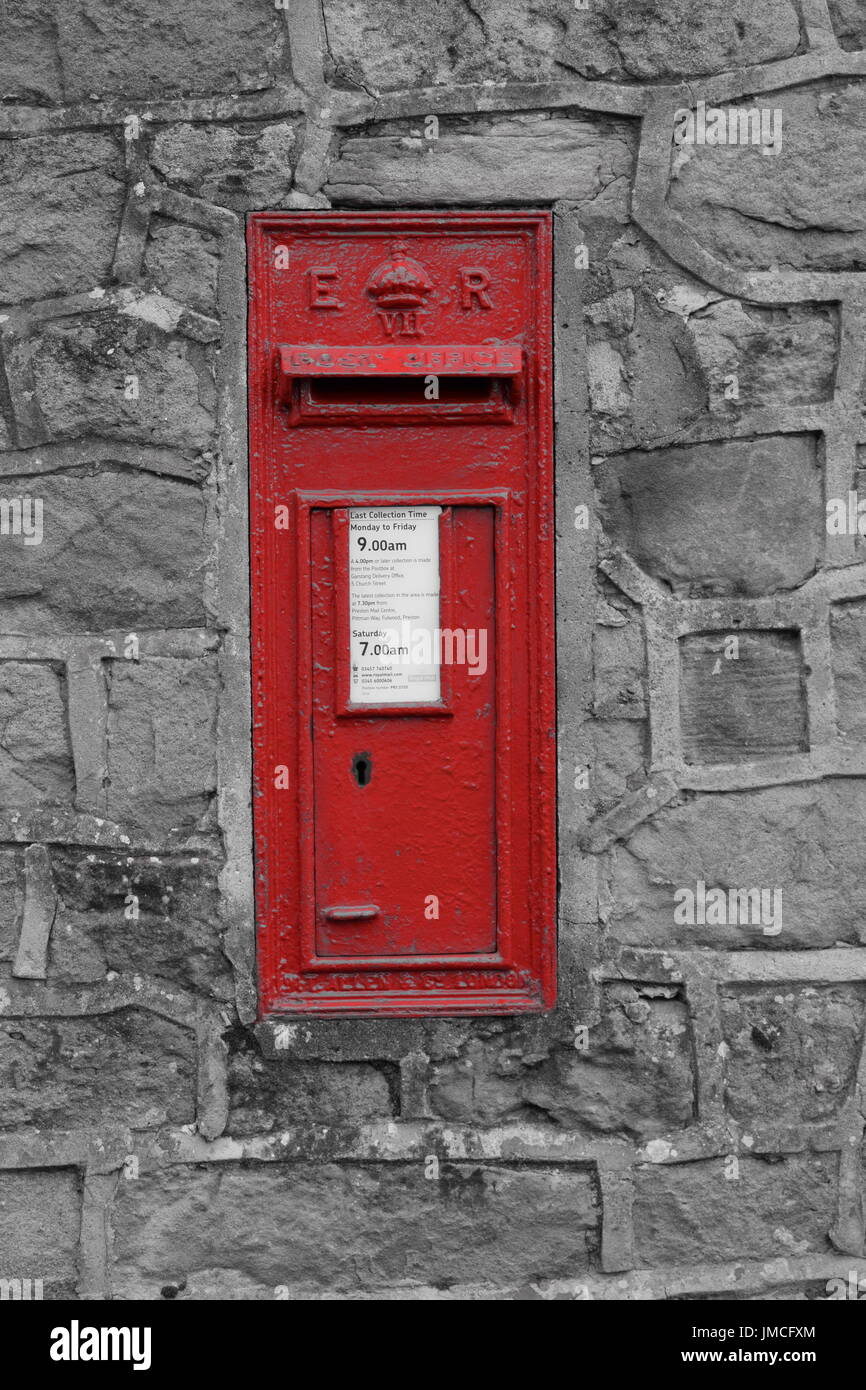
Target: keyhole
362	768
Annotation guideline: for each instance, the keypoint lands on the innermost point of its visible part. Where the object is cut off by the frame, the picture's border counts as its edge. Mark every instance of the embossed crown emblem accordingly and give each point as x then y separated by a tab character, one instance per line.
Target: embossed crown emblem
400	282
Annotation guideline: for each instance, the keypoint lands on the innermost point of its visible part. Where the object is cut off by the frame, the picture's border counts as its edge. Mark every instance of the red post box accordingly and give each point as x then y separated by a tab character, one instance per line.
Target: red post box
402	605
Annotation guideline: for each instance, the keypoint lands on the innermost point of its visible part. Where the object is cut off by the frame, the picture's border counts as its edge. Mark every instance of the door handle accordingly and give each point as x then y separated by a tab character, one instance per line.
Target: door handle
347	913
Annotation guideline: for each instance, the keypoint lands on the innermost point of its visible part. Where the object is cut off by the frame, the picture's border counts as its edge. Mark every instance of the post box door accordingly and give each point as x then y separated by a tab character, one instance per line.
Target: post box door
405	804
401	493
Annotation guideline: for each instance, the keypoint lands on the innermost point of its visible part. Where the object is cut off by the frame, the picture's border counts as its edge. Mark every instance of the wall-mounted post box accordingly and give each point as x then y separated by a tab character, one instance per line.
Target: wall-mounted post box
402	605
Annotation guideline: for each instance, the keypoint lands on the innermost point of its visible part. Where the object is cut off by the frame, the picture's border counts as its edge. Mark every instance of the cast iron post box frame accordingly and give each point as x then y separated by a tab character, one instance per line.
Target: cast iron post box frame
464	299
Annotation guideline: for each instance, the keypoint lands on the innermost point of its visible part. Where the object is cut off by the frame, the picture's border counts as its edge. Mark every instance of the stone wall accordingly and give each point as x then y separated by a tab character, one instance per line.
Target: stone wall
689	1122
